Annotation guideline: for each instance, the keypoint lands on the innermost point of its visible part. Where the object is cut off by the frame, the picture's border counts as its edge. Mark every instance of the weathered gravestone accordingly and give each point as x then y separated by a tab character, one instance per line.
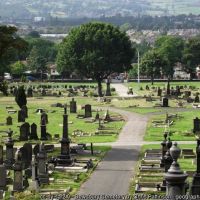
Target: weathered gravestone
9	151
165	102
21	116
108	91
25	110
18	173
196	99
43	175
73	107
2	170
26	152
196	125
24	132
44	116
33	134
43	129
30	92
88	110
9	121
159	92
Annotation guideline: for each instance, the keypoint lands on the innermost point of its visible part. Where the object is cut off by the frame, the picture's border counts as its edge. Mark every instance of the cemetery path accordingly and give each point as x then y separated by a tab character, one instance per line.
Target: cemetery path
113	175
121	90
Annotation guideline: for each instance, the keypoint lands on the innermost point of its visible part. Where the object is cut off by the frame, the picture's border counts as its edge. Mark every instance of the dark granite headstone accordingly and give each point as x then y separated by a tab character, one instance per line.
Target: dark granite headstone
9	121
165	102
33	134
73	107
25	110
196	125
88	110
24	132
21	116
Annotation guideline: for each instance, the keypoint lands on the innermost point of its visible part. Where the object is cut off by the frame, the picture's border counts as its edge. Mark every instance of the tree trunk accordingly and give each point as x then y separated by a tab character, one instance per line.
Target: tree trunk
99	88
152	80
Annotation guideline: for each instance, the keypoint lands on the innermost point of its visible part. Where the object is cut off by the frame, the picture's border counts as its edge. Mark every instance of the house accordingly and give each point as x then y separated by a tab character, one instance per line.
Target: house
179	73
53	70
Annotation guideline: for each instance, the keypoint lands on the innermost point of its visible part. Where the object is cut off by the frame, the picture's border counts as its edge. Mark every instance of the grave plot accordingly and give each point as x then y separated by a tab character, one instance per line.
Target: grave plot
31	128
39	168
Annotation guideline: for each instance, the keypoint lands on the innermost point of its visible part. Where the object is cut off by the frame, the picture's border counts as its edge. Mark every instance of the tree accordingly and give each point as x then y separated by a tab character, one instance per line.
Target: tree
36	61
10	47
20	97
18	68
152	64
170	48
191	55
95	50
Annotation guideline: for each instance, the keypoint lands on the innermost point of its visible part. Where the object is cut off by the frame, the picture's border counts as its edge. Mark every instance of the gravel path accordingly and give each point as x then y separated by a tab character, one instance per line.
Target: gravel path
121	90
113	175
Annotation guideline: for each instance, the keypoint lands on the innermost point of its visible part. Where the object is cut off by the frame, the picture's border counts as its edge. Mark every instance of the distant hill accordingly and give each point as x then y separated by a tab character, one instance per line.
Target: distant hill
19	9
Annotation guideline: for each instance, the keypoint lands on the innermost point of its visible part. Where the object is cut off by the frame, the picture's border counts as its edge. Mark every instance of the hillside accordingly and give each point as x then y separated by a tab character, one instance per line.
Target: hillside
18	9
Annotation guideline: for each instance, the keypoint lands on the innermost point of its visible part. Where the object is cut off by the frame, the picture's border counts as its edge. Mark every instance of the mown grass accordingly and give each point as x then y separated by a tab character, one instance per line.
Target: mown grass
181	129
55	119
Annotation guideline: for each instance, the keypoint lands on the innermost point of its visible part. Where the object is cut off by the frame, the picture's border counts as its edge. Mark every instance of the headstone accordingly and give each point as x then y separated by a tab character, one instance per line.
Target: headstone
175	178
26	151
168	88
34	186
43	175
45	117
25	110
64	159
2	170
24	132
9	121
165	102
36	149
97	116
9	151
43	93
196	125
18	173
108	91
43	129
159	93
88	111
73	107
196	99
107	116
21	116
30	92
33	134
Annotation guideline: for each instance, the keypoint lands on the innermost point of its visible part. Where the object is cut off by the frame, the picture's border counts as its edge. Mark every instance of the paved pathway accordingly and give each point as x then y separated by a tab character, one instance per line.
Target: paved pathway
121	90
113	175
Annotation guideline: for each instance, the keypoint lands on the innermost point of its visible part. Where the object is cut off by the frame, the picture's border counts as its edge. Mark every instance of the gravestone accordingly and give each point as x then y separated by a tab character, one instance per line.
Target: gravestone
43	129
30	92
18	173
159	93
26	152
33	134
175	178
34	186
73	107
43	175
108	91
9	121
24	132
97	116
2	170
36	149
44	116
165	102
88	110
196	99
43	93
9	151
178	91
21	116
25	110
196	125
107	116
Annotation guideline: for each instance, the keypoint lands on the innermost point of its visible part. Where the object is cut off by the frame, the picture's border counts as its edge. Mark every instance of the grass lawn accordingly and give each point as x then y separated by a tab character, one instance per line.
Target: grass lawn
179	130
55	119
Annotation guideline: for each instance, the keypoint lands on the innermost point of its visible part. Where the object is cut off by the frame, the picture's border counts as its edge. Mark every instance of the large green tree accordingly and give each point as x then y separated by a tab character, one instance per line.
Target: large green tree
95	50
18	68
11	46
170	48
191	55
152	64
